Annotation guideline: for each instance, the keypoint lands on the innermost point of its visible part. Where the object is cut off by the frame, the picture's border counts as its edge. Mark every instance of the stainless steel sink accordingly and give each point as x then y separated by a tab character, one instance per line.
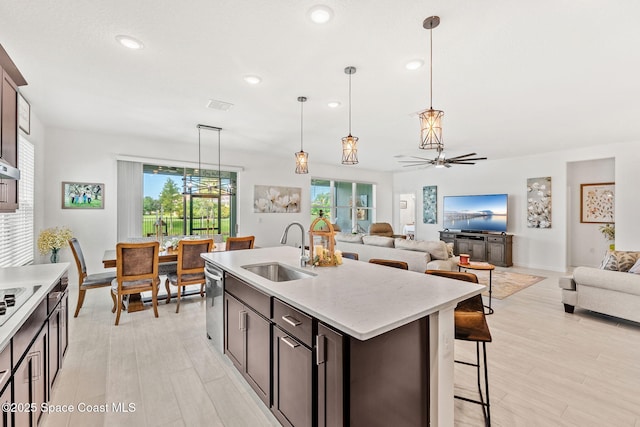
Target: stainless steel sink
277	272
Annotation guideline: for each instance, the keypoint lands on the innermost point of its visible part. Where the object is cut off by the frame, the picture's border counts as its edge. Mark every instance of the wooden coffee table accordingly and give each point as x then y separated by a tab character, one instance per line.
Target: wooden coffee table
480	266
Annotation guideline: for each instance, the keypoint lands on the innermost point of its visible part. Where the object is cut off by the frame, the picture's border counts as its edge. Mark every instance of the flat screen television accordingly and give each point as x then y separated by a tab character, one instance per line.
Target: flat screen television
484	212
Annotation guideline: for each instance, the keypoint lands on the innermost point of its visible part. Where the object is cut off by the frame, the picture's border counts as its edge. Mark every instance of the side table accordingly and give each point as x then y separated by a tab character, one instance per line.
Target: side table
480	266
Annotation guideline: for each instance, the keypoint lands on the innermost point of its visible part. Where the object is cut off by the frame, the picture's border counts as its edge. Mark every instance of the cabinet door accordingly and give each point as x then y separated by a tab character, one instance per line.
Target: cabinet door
478	250
9	142
292	381
54	344
495	252
234	327
258	352
329	358
30	383
463	246
64	325
5	397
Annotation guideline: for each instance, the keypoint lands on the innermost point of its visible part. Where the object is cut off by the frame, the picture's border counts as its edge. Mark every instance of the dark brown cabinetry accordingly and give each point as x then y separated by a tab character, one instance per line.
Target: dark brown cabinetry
247	335
30	382
484	247
11	79
292	366
5	385
58	330
318	376
330	378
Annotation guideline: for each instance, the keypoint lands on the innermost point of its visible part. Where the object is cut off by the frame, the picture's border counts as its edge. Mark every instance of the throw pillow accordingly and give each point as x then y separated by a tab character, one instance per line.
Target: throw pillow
437	250
348	237
610	262
636	267
386	242
626	260
450	249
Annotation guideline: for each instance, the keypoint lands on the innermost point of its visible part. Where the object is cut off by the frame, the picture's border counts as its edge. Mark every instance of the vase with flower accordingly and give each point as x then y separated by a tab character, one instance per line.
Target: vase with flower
51	240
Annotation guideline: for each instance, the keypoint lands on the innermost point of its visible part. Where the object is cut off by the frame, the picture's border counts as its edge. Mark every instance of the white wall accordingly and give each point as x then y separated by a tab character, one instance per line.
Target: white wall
91	157
534	248
586	245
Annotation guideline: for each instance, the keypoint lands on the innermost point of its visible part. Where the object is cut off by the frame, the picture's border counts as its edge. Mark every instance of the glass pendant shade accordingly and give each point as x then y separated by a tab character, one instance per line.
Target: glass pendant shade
302	162
350	150
431	129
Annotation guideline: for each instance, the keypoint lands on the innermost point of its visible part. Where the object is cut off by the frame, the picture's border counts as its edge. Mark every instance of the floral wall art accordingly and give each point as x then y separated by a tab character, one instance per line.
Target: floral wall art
597	202
271	199
430	204
539	202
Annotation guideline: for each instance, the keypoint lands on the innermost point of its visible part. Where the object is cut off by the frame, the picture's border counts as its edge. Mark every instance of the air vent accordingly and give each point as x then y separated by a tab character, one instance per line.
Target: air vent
219	105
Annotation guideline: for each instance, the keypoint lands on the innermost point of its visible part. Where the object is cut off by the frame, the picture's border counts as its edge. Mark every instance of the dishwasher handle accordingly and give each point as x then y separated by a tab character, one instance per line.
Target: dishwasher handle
213	275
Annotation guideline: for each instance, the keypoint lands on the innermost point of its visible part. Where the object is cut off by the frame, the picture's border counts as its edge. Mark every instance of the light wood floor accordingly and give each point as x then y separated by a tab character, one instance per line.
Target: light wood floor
546	367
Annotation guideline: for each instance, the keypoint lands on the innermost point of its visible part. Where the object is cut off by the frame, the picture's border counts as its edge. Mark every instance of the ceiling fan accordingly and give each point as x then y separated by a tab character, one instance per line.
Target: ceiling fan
442	162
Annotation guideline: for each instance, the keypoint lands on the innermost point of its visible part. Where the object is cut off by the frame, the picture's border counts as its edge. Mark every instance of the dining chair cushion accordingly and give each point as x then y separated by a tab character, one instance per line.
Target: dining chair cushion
173	278
98	279
135	284
137	261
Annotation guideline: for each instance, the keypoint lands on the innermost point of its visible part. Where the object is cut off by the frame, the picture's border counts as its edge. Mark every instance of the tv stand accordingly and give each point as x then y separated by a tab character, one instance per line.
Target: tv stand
494	248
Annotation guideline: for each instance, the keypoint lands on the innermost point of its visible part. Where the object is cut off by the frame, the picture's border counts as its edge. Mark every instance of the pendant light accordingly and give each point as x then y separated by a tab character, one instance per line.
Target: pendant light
302	158
350	143
431	120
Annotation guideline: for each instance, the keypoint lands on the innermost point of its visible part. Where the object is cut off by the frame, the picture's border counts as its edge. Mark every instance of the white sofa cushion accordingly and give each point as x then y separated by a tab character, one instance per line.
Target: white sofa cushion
383	241
437	249
349	237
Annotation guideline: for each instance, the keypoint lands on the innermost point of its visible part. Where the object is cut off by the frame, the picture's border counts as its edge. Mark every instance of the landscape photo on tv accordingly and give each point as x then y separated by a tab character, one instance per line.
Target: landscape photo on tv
485	212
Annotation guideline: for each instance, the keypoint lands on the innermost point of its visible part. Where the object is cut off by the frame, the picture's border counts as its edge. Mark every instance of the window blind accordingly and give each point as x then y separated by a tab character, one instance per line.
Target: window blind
16	229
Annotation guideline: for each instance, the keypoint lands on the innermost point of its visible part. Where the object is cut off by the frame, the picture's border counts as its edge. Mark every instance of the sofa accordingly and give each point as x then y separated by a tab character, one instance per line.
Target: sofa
420	255
612	289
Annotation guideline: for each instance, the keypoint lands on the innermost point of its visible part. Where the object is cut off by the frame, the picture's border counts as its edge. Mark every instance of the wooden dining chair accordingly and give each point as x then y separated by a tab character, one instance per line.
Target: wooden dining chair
390	263
350	255
470	324
88	281
136	272
238	243
190	267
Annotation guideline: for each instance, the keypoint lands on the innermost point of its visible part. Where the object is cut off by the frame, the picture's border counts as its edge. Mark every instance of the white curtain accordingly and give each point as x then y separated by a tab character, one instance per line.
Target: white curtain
129	200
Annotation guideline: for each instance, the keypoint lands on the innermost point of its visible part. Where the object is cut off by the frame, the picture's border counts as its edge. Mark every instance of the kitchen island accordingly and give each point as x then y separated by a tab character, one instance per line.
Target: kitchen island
374	344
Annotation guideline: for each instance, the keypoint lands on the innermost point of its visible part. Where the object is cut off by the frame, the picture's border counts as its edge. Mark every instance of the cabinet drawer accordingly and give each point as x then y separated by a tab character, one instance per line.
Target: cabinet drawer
249	295
447	235
5	366
498	239
27	332
293	321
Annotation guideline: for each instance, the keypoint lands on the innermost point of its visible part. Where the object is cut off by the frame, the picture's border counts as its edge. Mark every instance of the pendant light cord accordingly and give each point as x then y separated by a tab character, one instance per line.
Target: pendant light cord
431	68
301	123
350	104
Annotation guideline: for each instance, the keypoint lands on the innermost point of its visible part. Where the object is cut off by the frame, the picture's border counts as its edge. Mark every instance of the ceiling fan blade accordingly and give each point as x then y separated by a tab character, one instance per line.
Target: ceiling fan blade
464	155
462	163
426	164
421	158
417	162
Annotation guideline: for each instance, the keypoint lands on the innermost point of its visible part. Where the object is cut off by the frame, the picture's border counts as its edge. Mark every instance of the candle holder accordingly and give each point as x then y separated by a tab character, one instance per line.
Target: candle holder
321	241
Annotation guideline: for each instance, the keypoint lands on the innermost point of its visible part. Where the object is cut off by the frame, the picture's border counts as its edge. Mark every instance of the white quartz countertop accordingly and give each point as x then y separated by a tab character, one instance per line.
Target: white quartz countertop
358	298
45	276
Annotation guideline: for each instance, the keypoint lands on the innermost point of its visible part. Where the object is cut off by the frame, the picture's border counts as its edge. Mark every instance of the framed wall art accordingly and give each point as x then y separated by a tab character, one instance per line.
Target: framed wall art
597	203
539	202
82	195
430	204
272	199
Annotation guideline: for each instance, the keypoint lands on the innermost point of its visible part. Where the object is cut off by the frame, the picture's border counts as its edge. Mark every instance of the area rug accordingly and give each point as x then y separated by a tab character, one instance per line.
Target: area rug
505	283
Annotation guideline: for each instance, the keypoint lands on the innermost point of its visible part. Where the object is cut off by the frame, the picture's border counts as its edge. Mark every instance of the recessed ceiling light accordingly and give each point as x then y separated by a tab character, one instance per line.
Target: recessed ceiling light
252	79
320	14
414	65
130	42
334	104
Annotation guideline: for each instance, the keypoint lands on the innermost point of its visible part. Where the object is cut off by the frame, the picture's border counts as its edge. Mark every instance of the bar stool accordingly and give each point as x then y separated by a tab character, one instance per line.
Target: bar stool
390	263
471	325
350	255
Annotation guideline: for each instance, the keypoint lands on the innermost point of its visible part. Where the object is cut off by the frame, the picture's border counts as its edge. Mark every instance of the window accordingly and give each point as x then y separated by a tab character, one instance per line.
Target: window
16	229
351	205
189	201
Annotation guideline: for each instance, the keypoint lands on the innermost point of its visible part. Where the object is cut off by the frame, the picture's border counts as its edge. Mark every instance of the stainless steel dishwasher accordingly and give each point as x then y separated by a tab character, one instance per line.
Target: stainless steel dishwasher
215	304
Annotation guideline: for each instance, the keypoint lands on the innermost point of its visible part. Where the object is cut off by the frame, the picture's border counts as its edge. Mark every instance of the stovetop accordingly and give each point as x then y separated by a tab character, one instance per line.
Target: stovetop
11	299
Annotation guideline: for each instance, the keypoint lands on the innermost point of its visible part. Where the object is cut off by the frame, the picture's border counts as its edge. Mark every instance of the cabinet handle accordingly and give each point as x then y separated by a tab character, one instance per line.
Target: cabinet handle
243	320
291	320
320	349
289	342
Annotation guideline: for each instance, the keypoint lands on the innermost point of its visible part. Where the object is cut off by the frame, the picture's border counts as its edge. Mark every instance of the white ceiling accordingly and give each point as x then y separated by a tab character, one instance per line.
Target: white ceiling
513	77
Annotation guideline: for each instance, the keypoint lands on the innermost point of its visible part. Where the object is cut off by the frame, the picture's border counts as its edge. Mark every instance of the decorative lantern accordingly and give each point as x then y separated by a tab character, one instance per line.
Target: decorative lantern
321	241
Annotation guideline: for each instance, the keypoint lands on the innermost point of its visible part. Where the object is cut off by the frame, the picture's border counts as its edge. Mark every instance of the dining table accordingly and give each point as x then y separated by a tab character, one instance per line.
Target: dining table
166	256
